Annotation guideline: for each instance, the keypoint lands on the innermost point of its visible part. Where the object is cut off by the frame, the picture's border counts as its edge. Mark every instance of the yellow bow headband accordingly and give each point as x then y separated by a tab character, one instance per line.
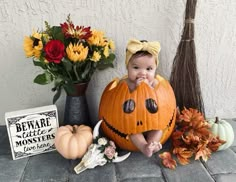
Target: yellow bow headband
135	46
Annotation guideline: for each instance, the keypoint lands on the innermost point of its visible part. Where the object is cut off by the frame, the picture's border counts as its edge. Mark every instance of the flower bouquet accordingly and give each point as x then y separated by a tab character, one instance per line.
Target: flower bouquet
68	54
191	138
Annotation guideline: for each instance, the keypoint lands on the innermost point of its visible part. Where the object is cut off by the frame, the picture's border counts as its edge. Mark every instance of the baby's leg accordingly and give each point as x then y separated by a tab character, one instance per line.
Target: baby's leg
153	138
140	142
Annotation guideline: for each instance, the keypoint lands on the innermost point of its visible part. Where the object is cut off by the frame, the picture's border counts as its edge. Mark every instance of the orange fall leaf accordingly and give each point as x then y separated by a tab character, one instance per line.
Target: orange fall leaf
183	155
167	160
189	115
215	143
203	152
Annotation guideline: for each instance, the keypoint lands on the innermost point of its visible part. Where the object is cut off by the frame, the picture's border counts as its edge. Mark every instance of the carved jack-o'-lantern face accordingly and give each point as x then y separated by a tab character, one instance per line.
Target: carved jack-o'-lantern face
125	113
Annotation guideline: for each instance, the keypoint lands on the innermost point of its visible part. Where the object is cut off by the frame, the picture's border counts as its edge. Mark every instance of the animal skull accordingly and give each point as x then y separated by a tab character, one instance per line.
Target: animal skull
94	157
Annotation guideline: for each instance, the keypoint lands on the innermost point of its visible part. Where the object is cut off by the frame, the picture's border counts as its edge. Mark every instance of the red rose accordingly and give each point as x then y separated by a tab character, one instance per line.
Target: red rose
54	50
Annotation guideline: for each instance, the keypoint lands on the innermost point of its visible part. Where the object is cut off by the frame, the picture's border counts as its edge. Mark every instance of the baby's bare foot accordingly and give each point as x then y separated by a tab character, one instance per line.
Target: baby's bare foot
149	149
158	147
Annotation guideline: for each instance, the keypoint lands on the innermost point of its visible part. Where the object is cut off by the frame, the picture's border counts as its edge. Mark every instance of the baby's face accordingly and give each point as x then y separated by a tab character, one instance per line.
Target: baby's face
142	69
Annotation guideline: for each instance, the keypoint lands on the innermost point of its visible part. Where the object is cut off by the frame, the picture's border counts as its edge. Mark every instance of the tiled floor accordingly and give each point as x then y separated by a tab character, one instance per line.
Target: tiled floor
221	167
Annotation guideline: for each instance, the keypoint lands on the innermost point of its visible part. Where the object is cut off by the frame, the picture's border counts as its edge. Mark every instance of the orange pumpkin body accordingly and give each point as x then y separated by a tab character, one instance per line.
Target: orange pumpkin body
72	142
118	125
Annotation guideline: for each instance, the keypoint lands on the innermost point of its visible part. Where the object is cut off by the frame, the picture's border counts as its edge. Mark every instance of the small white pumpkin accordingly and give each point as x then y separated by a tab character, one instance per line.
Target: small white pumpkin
222	129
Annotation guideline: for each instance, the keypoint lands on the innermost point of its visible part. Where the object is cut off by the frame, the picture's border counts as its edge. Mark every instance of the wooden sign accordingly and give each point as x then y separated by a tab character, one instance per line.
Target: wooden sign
32	131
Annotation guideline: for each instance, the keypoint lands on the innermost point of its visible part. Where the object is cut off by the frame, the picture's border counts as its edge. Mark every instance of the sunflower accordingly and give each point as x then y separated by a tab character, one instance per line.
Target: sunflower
106	51
33	45
96	56
97	38
112	45
77	52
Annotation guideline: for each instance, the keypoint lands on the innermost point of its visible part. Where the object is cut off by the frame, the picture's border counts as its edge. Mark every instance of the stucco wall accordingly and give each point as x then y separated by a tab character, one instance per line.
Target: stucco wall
215	38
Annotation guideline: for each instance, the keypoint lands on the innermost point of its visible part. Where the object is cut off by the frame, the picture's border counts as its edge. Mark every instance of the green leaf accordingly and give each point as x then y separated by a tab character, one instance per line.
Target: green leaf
39	63
57	33
57	95
43	79
69	88
104	66
54	68
87	69
58	81
67	64
105	63
111	57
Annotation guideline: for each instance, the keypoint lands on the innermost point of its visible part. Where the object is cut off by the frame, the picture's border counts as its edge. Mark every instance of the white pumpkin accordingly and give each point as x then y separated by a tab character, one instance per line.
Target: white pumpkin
222	129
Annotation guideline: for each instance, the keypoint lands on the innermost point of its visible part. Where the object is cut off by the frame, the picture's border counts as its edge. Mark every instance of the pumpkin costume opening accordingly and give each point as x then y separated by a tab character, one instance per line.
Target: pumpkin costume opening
125	113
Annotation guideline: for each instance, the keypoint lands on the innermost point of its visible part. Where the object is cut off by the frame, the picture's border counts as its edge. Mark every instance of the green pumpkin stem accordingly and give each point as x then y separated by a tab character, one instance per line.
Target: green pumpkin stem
217	120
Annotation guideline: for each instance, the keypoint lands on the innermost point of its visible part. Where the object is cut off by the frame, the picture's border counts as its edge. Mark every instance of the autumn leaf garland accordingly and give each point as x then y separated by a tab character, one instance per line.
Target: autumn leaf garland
191	138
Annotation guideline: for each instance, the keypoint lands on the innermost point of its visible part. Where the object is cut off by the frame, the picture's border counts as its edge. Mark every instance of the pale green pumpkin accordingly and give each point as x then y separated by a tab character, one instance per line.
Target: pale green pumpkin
222	129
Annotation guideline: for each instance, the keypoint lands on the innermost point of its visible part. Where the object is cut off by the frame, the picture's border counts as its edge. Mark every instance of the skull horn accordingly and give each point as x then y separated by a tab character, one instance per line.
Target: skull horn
96	129
121	158
95	135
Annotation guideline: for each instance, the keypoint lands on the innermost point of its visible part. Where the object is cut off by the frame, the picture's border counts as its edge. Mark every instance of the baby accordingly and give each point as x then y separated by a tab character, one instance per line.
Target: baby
142	62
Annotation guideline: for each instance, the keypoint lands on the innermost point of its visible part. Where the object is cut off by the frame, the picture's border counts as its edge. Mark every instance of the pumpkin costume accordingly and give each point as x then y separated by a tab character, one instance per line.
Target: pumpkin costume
125	113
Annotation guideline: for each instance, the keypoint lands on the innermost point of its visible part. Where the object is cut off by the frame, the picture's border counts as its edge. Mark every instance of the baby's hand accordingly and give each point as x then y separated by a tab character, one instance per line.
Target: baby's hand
139	80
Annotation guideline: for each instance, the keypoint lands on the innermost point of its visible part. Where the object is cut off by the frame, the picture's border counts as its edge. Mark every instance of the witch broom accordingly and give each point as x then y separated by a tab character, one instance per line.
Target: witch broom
184	76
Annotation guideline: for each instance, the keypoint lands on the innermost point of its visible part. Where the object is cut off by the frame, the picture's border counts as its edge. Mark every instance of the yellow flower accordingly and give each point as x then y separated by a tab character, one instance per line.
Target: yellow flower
97	38
77	52
28	47
106	51
46	37
46	61
111	45
33	45
96	56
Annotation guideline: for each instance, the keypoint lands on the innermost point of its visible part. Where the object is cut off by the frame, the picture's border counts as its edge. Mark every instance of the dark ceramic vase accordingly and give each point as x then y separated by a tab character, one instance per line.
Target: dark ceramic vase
76	107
